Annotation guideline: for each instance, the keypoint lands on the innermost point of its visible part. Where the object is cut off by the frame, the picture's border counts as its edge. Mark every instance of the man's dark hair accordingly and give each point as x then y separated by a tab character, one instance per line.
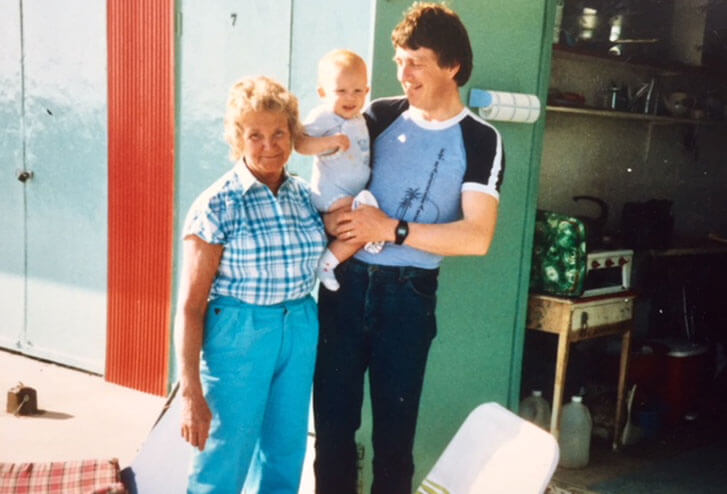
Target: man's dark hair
437	27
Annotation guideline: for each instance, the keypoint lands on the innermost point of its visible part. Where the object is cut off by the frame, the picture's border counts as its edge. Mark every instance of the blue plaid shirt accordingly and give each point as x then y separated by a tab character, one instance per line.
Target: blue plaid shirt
271	244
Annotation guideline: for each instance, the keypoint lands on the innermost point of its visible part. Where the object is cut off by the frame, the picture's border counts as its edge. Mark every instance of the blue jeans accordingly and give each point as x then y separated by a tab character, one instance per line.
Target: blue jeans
381	320
257	370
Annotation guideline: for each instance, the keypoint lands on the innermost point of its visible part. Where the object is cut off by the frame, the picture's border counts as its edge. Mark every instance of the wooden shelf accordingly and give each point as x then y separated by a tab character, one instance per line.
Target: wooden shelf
655	119
663	69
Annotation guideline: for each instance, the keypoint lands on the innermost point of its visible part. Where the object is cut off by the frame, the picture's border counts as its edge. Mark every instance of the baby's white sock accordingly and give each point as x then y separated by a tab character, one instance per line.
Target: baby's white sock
366	197
326	264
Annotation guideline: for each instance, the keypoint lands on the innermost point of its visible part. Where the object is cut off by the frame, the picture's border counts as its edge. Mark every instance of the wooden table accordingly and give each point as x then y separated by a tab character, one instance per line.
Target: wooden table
577	319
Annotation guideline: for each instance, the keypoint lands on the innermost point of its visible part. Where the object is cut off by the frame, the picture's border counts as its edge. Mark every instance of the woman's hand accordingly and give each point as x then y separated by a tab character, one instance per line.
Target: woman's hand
196	418
365	224
199	265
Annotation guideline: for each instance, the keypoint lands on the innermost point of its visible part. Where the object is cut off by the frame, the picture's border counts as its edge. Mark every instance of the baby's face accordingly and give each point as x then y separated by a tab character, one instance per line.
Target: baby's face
345	90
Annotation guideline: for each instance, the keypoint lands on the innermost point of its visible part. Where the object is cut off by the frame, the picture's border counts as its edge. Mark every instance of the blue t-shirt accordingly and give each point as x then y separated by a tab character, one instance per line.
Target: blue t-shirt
420	168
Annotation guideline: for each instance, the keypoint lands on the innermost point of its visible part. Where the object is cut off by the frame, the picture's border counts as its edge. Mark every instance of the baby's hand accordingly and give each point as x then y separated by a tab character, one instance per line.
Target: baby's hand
340	142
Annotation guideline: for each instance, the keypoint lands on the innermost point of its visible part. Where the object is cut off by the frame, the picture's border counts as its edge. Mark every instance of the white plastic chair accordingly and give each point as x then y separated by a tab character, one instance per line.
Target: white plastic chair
494	452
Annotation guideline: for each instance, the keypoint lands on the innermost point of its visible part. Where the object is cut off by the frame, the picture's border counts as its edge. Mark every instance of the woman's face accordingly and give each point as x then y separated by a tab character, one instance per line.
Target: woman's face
267	144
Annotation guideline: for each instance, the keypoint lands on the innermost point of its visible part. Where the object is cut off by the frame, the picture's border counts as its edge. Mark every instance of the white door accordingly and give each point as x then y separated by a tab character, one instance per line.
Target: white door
221	42
61	206
12	208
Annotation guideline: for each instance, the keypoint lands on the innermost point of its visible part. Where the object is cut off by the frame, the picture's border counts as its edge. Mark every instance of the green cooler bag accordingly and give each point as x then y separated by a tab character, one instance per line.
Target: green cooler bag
559	255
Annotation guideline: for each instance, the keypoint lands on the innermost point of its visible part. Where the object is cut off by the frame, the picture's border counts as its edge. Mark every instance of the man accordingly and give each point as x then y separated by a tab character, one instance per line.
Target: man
436	171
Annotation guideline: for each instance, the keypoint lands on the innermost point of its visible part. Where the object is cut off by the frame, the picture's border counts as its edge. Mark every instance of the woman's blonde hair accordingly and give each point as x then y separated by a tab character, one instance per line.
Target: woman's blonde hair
258	93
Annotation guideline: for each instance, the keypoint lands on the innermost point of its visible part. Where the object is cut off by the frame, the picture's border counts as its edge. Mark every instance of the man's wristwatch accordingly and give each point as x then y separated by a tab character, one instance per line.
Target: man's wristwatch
401	232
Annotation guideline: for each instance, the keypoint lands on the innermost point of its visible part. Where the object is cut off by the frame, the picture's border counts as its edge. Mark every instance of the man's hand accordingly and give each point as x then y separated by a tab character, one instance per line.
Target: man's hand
470	236
365	224
331	219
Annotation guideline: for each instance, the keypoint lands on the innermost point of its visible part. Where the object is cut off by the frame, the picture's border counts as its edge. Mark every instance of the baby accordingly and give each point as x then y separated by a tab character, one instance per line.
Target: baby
336	133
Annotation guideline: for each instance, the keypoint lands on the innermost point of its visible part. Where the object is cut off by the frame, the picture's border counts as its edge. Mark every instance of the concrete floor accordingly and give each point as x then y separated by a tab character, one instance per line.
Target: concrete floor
83	416
709	428
86	417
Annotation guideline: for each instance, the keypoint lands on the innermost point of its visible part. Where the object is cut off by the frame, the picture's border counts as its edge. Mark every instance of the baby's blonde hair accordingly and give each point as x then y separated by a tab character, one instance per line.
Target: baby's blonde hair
339	60
252	94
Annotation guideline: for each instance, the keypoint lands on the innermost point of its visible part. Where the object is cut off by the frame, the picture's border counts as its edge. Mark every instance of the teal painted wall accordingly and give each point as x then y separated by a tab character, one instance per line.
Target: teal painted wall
477	354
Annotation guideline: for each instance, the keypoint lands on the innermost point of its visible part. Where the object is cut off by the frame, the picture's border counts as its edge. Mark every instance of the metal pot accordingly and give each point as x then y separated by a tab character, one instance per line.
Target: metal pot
618	97
589	22
678	103
618	25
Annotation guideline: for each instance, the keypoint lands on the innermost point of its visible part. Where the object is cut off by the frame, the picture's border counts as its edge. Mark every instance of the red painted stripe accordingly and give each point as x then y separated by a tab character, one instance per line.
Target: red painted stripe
141	192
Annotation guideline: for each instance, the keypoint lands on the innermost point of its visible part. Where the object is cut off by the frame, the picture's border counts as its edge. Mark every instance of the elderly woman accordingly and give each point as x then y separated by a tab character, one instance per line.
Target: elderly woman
248	325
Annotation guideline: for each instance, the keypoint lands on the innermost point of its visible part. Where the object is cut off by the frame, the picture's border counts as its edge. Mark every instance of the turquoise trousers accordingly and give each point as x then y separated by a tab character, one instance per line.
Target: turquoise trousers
257	371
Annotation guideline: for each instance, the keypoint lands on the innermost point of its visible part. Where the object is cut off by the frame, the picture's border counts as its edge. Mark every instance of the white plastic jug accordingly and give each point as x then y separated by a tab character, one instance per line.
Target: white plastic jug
536	409
575	434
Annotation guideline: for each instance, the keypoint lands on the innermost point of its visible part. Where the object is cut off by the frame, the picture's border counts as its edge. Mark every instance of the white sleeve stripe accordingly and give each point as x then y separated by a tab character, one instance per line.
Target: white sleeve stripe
478	187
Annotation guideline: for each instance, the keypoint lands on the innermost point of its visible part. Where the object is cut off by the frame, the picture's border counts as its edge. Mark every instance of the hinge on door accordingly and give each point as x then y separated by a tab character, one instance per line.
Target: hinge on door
360	453
178	25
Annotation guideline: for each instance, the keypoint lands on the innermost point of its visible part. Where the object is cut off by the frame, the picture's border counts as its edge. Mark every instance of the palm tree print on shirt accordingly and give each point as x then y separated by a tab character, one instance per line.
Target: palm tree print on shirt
413	195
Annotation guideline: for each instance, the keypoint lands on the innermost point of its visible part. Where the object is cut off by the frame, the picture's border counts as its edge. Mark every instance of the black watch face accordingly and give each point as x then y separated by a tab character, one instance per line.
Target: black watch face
402	230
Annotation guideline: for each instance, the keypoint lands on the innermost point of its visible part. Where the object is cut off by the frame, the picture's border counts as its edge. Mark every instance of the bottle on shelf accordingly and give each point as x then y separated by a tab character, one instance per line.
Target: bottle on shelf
575	434
536	409
559	5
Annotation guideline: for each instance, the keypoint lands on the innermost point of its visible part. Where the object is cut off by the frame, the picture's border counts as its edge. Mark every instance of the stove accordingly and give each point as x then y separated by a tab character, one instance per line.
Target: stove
607	272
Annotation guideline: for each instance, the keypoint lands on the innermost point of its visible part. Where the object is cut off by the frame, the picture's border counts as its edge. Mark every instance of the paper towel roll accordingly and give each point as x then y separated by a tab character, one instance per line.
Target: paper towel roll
504	106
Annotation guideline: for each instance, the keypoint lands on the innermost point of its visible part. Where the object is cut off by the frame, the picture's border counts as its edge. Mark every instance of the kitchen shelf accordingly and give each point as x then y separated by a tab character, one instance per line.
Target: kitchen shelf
663	69
604	65
655	119
652	120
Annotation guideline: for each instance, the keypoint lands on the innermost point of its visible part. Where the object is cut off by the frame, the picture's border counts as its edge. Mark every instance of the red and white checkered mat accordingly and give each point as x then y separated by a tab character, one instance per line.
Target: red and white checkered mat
68	477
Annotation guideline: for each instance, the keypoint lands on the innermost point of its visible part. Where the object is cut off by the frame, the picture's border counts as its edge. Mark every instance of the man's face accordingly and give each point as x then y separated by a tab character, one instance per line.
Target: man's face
425	83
